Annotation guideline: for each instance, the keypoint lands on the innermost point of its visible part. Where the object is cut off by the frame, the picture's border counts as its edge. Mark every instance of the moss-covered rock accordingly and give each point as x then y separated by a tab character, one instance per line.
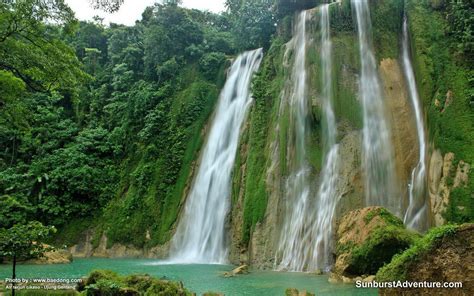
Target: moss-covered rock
106	282
295	292
367	239
212	294
444	254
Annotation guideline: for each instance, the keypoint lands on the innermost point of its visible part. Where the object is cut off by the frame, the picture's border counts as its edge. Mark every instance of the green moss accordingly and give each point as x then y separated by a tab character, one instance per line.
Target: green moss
385	215
345	70
341	17
439	71
397	269
283	140
345	248
387	22
173	198
461	207
72	232
379	249
267	86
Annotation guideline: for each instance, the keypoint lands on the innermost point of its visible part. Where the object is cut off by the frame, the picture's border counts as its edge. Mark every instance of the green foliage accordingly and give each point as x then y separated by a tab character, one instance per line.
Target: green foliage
108	283
117	152
11	108
30	50
24	241
12	211
153	186
107	6
117	149
450	123
162	41
397	269
211	63
460	17
253	22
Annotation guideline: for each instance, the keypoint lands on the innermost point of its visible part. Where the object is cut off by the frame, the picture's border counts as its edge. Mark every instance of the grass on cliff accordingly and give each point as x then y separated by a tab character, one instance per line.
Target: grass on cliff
266	88
445	83
397	269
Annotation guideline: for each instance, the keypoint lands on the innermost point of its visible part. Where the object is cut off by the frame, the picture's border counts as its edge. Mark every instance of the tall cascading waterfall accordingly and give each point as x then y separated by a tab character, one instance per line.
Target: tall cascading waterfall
200	236
327	194
416	215
306	237
295	246
378	155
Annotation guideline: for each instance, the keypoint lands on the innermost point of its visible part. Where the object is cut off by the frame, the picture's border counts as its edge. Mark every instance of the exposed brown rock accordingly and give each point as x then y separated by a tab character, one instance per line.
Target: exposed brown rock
402	121
350	186
448	101
443	177
451	260
85	249
295	292
57	256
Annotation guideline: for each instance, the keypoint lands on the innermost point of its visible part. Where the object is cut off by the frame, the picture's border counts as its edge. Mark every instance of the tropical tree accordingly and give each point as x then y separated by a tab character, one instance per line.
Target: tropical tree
32	50
24	241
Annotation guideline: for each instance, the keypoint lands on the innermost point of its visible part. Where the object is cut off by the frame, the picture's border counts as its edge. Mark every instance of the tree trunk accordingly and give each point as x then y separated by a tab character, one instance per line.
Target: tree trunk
14	275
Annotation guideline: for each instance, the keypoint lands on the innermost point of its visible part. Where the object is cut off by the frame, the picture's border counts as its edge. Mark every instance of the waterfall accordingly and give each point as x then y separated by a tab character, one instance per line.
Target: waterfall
377	155
294	245
306	238
200	236
327	194
416	215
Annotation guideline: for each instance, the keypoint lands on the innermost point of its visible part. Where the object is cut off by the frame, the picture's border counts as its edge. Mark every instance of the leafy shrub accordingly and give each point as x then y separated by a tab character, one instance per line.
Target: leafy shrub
210	64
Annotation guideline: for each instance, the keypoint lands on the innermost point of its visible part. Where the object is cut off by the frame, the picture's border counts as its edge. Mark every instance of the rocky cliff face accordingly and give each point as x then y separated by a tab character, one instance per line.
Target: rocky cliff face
403	126
86	248
444	177
260	251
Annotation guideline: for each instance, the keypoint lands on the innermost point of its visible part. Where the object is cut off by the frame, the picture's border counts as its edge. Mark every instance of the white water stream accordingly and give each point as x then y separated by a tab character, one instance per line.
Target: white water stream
378	155
200	236
306	237
416	215
295	242
327	194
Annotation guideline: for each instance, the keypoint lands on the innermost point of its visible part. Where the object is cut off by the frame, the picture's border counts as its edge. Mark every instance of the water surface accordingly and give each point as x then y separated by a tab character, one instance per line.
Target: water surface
196	277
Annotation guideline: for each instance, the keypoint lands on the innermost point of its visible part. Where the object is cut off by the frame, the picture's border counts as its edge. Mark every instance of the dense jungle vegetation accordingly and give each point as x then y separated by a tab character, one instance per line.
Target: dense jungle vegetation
100	124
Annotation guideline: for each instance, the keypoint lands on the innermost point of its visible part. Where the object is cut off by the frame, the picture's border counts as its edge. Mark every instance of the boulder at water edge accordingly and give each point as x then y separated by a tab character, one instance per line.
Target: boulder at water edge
367	239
